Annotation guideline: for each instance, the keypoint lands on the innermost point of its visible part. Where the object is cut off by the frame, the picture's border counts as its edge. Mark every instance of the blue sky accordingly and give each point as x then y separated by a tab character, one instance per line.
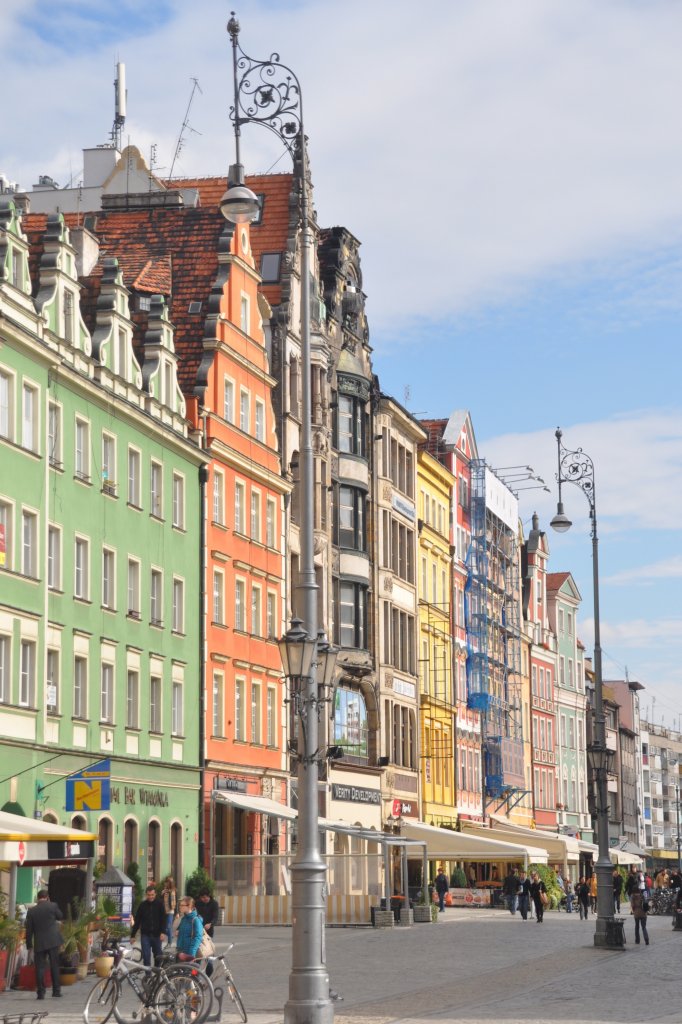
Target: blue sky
513	173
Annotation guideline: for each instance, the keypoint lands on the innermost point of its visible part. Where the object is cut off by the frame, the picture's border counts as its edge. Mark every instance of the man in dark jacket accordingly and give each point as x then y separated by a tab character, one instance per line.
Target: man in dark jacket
208	910
442	886
617	890
510	889
150	921
44	936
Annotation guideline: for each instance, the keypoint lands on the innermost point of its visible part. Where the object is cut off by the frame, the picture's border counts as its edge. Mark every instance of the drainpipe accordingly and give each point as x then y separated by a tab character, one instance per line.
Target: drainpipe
203	480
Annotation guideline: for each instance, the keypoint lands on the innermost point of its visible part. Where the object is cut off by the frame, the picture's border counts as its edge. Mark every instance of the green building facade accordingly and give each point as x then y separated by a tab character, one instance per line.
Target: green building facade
99	551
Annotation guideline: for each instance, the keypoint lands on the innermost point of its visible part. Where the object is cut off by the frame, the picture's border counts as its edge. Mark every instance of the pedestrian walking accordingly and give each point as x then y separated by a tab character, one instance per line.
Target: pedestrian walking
592	882
568	889
150	922
632	882
190	930
538	892
582	891
524	894
442	887
617	889
639	908
169	895
208	910
510	888
44	937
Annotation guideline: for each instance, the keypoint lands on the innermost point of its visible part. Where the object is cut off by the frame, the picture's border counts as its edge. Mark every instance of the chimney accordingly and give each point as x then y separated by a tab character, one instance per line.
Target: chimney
87	250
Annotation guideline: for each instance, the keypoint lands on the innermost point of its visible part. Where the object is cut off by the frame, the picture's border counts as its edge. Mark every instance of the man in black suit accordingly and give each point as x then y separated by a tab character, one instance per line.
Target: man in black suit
44	936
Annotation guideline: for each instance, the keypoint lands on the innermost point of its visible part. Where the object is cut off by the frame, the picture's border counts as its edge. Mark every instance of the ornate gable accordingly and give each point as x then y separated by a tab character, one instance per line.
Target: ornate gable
113	337
14	269
58	298
160	366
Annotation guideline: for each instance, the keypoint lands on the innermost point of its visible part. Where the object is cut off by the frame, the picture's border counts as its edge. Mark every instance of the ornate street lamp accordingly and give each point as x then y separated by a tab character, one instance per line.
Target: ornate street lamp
267	92
576	467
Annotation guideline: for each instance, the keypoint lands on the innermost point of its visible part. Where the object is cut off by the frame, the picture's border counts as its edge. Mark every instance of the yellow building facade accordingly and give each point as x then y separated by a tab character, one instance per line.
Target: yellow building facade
435	488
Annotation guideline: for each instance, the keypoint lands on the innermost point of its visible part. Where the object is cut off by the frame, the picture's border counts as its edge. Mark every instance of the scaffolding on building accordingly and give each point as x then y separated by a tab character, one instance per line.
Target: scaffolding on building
493	630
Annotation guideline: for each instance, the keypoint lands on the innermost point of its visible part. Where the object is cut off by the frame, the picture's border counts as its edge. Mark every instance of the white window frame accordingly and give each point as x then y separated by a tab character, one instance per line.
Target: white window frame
81	449
256	610
7	520
81	567
156	597
156	489
271	717
29	543
80	686
5	669
256	711
245	313
106	693
30	416
52	680
255	515
240	605
178	605
155	704
177	708
178	501
271	522
259	423
228	399
134	467
239	709
54	434
7	397
109	578
218	597
218	706
244	411
133	588
27	674
133	699
54	557
271	615
239	507
218	497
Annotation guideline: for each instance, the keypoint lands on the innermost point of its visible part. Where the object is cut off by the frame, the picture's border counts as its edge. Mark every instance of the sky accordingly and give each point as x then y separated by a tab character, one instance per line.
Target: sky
512	169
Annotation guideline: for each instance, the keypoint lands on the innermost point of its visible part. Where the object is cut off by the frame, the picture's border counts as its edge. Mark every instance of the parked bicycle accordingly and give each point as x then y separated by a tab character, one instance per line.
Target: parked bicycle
221	975
133	992
662	901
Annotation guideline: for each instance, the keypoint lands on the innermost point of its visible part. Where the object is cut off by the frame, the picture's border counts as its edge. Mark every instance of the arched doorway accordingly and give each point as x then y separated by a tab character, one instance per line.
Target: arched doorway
105	843
176	852
130	833
153	852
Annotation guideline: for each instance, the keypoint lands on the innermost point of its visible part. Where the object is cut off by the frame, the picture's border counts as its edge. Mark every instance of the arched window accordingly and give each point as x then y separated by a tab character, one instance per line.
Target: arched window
50	818
79	822
105	842
350	722
130	833
153	852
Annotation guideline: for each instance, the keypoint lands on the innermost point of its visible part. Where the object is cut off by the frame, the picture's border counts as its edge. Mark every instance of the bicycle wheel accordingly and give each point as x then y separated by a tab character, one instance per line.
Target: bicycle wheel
101	1001
131	1005
236	999
184	996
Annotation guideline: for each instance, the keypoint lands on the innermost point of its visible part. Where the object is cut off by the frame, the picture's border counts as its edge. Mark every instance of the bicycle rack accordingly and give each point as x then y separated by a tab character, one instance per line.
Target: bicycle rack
218	995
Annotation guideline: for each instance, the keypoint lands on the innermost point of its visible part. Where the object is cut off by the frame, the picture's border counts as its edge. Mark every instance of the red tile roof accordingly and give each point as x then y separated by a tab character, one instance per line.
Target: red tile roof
555	580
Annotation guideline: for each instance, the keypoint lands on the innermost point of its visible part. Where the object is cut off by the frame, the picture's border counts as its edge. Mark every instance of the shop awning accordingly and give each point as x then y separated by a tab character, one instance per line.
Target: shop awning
619	856
561	849
15	828
259	804
442	843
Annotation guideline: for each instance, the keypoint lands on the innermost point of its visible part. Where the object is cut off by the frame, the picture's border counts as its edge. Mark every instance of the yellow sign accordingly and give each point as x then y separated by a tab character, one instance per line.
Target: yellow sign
87	796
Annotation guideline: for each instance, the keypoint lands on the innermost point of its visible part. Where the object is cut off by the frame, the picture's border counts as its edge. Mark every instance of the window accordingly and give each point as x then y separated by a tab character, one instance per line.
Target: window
245	315
255	515
155	717
218	597
350	426
239	511
260	420
29	423
54	434
81	569
270	522
350	722
156	490
106	702
27	677
133	700
69	323
80	687
239	711
228	400
244	411
178	605
271	724
121	353
108	579
218	498
29	544
156	598
269	267
350	525
5	535
6	405
5	670
134	478
256	616
178	501
133	588
255	713
177	710
82	452
52	682
109	464
54	559
240	605
218	704
352	619
271	615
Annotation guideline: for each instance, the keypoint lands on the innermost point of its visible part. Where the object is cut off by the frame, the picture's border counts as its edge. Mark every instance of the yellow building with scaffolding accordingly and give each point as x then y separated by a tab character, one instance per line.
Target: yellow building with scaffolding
437	711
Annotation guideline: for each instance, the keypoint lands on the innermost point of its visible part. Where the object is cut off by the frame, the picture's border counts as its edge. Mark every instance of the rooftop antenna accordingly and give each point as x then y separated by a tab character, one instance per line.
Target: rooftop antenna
407	395
186	126
119	105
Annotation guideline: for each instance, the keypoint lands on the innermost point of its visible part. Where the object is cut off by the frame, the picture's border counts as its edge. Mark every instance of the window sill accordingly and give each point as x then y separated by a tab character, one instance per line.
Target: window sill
156	623
82	600
81	719
178	528
108	608
220	625
56	465
157	519
55	590
106	724
134	616
133	506
220	526
87	480
179	633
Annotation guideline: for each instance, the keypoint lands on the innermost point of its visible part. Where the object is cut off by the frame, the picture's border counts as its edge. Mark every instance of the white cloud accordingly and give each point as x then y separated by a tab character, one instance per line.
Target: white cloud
667	568
633	633
494	143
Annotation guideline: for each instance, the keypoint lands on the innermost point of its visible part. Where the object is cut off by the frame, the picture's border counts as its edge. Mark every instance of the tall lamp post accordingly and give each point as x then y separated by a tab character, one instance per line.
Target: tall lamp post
576	467
268	93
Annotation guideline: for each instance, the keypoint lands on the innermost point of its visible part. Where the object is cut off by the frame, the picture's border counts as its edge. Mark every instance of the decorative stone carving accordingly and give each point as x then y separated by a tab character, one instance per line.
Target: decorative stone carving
388	584
387	492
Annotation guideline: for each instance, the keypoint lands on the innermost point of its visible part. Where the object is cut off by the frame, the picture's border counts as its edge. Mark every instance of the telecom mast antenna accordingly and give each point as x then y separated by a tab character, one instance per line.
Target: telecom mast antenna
186	126
119	105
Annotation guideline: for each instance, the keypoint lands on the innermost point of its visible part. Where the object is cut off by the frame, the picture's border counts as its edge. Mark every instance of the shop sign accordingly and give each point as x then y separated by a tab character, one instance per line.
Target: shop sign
133	795
405	809
470	898
406	508
355	794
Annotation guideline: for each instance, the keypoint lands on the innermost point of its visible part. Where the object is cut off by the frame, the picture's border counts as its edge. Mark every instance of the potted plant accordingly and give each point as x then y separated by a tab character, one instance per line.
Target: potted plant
10	931
68	954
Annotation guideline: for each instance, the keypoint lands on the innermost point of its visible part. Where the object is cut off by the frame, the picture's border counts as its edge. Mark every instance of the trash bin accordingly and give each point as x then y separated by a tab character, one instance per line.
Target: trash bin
615	932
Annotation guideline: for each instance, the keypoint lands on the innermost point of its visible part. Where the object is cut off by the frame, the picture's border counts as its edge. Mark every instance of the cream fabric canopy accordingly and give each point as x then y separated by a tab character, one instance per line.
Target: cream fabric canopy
444	844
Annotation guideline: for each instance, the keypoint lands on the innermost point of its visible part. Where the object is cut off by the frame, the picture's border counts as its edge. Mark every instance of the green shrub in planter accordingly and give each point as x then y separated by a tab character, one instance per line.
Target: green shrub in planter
458	880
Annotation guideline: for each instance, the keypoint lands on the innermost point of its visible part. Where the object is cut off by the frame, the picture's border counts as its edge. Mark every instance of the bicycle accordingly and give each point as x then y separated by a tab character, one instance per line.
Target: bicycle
662	901
222	972
135	993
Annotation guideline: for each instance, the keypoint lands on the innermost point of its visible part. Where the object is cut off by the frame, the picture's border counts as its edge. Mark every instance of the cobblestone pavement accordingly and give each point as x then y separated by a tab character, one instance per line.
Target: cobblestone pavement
474	966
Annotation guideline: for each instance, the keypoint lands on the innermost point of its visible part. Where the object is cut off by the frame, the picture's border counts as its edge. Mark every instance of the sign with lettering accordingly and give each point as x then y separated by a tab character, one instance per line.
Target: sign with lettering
405	809
89	789
133	795
406	508
355	794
